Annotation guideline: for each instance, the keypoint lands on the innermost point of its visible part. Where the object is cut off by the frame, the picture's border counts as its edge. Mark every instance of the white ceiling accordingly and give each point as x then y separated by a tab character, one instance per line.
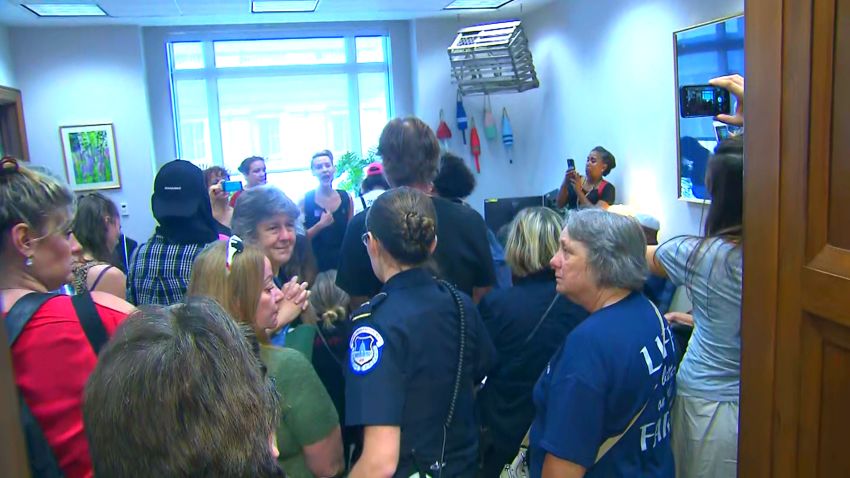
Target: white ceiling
221	12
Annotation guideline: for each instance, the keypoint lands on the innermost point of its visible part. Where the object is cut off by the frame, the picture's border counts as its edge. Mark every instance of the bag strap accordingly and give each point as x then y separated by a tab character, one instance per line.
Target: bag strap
525	439
327	346
21	313
609	443
540	322
90	321
42	461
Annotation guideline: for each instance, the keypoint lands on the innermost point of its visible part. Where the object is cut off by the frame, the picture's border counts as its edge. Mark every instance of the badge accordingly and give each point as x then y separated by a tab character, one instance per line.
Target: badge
365	346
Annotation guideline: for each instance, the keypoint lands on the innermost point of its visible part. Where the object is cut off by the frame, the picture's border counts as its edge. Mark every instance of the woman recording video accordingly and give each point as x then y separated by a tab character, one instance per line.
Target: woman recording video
579	191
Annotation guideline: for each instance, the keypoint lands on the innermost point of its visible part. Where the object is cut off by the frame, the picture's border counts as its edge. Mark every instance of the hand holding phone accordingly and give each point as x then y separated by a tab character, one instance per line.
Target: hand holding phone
735	85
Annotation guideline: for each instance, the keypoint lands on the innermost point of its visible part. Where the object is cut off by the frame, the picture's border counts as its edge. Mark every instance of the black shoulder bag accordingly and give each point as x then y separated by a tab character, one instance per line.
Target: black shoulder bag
43	463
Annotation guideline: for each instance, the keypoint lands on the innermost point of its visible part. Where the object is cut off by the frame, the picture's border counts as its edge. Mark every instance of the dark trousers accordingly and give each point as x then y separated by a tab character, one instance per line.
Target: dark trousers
493	461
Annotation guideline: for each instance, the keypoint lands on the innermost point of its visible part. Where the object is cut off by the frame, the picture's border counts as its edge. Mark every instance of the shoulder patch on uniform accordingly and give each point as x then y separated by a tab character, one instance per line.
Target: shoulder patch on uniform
365	349
366	309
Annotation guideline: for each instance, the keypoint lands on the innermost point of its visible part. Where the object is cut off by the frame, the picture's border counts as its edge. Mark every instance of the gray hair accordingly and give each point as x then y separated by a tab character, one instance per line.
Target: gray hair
259	204
616	247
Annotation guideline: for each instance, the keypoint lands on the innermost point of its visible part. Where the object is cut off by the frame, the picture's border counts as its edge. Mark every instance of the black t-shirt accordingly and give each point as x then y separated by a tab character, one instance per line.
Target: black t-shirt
462	256
609	194
402	366
326	244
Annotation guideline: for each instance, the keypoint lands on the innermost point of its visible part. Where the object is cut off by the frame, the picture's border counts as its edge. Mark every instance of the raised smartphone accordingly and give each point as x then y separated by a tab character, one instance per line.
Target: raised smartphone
703	100
231	186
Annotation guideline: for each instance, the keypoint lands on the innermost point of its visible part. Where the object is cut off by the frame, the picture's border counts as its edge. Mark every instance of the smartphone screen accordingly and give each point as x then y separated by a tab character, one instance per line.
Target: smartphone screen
231	186
703	100
571	164
721	132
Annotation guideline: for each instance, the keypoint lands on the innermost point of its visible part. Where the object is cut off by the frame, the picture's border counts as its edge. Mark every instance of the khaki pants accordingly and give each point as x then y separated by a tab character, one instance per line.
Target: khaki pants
705	438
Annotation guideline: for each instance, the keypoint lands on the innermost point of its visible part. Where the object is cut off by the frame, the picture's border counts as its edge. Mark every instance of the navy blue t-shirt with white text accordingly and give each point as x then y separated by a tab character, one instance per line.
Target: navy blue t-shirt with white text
611	366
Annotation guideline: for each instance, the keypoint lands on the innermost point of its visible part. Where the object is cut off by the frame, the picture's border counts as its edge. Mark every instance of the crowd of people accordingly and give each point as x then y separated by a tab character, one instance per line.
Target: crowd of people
256	336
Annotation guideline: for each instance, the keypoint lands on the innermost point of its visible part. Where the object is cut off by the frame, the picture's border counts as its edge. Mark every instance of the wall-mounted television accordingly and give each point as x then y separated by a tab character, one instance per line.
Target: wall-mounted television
501	211
701	53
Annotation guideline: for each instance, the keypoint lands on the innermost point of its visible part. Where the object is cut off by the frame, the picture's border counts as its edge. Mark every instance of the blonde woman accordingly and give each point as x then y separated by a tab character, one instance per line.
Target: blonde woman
52	355
239	276
527	323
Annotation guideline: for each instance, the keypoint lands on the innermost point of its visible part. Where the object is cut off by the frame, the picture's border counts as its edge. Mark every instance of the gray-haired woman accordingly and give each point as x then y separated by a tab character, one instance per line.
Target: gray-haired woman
603	402
265	217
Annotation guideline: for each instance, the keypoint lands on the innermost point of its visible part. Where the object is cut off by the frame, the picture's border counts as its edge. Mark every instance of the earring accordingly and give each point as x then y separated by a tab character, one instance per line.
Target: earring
28	262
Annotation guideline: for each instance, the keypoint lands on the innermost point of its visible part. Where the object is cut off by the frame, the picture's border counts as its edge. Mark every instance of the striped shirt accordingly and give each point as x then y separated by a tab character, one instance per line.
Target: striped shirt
160	271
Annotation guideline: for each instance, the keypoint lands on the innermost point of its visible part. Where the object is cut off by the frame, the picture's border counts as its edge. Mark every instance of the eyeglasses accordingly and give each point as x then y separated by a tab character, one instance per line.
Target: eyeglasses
365	238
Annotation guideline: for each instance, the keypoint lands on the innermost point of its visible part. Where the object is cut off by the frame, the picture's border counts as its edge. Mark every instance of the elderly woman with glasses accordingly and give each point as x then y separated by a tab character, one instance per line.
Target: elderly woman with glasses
603	401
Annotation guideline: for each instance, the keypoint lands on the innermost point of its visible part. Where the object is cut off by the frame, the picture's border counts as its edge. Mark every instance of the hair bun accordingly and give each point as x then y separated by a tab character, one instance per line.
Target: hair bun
8	165
418	229
334	314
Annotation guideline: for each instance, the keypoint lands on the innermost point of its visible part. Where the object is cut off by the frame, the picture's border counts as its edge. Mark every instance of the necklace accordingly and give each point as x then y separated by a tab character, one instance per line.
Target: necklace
588	186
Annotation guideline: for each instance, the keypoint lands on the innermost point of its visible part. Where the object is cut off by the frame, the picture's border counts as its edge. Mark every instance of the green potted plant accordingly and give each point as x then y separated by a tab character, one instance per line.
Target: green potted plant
350	168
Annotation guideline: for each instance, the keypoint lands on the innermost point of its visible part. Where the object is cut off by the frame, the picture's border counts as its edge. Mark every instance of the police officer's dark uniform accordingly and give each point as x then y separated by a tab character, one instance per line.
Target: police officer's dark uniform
402	369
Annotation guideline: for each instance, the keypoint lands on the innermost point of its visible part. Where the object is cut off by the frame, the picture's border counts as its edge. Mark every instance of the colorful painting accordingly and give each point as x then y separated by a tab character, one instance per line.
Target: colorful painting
90	157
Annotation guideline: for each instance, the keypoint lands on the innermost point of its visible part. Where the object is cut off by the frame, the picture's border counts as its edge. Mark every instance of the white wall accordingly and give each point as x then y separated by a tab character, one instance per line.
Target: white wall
433	91
606	73
77	76
7	74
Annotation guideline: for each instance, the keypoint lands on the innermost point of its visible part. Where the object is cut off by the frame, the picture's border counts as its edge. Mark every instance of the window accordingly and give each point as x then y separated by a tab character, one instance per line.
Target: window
307	51
187	56
282	99
193	124
194	141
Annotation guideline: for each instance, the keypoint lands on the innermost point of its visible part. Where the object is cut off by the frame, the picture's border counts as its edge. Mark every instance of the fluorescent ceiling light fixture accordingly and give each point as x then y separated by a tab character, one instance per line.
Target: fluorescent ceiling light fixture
65	9
476	4
276	6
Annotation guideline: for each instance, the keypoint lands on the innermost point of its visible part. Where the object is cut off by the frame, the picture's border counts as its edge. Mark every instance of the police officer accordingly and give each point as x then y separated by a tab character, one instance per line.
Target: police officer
417	351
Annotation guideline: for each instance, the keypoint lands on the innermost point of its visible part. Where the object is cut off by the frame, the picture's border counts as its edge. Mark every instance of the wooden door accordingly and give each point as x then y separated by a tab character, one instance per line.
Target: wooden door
13	452
795	390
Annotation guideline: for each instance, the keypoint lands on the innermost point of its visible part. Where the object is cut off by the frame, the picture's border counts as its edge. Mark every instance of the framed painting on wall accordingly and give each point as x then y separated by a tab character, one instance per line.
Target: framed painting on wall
703	52
91	161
